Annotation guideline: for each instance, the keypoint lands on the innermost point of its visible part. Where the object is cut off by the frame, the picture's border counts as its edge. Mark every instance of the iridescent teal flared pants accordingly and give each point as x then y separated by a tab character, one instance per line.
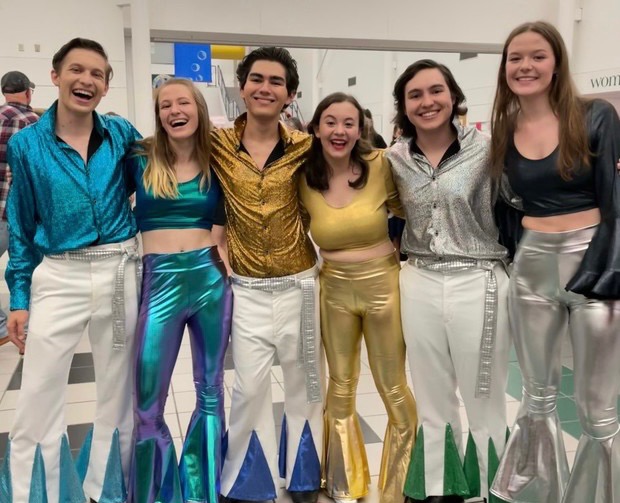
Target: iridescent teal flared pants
181	289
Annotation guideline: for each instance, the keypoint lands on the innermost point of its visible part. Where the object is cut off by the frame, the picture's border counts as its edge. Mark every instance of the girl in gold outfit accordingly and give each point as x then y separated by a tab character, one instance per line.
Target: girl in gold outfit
347	190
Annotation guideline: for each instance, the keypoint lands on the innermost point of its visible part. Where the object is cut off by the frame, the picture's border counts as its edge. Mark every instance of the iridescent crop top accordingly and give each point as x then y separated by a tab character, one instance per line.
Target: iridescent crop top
193	208
361	224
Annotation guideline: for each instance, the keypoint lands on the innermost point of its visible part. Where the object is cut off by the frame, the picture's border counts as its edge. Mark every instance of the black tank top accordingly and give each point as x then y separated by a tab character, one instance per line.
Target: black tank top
542	189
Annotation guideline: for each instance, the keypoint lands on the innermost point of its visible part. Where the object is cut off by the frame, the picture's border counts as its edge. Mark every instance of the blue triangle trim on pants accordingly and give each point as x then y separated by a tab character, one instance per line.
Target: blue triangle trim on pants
170	489
114	489
282	451
38	486
307	469
254	481
6	488
81	463
69	480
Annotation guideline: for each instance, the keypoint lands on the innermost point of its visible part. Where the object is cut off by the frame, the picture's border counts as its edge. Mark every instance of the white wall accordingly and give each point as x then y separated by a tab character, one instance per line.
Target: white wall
51	24
347	23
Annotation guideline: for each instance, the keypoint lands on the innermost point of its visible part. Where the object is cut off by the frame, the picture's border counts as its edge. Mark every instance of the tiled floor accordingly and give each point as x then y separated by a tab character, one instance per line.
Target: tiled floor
181	401
81	394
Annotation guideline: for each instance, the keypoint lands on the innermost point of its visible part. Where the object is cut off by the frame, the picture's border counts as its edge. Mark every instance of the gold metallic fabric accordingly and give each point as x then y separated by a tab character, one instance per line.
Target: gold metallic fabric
362	223
265	231
363	299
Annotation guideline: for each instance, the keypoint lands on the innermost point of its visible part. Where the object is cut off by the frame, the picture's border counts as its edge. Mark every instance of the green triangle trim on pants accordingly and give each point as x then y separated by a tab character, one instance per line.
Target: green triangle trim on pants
454	480
471	467
415	482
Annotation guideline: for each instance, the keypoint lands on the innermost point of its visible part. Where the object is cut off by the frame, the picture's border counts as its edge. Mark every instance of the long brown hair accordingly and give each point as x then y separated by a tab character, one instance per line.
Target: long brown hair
159	175
564	100
317	170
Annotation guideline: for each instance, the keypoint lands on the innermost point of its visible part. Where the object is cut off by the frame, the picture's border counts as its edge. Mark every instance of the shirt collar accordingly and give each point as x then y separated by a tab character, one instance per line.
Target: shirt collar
242	120
48	121
21	106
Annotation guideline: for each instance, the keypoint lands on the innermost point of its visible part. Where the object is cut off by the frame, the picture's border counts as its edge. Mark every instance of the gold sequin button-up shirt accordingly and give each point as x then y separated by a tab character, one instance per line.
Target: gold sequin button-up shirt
266	235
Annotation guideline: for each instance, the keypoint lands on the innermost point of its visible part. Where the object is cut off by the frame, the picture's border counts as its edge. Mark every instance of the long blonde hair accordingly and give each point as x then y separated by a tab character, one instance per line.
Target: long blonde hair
159	175
564	99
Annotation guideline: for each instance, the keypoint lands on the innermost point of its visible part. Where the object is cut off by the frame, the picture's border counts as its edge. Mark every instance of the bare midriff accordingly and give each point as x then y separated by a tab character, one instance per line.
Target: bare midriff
175	240
563	223
352	256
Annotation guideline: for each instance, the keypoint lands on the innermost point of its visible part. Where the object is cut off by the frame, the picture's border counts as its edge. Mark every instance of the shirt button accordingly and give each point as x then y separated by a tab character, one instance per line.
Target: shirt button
436	233
433	178
434	205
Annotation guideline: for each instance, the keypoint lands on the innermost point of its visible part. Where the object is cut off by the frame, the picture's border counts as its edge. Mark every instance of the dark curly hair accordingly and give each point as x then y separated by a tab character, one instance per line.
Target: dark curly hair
401	119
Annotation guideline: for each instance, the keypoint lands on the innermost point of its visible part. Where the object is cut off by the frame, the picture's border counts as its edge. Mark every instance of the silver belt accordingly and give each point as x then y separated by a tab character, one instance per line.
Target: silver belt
307	356
489	327
126	253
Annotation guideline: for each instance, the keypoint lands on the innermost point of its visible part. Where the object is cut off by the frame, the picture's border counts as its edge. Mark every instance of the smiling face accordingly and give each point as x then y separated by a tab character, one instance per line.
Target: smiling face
428	101
177	111
81	81
338	130
264	93
530	65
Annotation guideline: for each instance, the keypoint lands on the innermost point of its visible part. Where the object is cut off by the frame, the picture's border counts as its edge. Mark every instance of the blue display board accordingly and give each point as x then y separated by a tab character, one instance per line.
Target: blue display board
192	61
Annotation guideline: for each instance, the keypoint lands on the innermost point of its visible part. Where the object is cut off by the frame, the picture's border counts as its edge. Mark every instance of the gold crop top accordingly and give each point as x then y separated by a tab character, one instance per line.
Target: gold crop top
361	224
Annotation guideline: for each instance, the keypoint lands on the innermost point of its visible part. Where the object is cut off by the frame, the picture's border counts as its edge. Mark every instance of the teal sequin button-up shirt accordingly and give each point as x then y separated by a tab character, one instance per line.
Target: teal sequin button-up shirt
57	202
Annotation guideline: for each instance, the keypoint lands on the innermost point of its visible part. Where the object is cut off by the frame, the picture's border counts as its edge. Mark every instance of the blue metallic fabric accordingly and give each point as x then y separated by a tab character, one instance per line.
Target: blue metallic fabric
59	203
254	482
193	208
70	484
81	463
114	489
38	488
6	487
181	289
307	470
282	449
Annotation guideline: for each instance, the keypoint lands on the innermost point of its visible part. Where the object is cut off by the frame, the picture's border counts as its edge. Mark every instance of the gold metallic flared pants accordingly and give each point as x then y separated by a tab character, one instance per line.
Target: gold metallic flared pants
363	298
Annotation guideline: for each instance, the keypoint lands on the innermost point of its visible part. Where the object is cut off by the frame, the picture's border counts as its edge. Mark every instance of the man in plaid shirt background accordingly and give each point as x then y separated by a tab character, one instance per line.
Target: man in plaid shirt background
15	114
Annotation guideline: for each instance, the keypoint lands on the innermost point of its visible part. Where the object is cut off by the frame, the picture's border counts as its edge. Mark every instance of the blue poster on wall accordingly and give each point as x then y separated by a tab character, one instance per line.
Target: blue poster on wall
192	61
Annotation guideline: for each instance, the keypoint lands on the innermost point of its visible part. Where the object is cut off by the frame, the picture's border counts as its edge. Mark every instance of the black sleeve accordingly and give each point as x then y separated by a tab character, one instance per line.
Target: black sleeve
220	213
598	275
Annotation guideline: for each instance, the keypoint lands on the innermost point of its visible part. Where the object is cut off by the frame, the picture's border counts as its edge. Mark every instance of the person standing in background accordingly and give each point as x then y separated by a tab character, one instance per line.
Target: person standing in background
15	114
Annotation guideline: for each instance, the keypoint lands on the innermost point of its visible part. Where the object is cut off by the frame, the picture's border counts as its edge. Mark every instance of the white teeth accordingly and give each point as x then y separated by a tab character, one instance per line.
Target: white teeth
83	93
178	122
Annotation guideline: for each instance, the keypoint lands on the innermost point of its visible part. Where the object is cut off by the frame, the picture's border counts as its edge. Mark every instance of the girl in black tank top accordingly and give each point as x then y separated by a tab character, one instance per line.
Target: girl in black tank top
561	281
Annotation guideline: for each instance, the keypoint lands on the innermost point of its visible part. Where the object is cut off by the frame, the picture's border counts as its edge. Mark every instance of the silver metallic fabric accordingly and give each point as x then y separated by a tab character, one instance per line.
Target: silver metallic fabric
489	328
308	352
534	467
449	209
601	457
104	252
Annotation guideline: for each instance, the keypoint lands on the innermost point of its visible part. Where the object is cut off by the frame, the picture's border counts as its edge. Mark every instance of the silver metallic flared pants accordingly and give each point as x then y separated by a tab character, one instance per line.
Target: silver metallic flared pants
534	468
